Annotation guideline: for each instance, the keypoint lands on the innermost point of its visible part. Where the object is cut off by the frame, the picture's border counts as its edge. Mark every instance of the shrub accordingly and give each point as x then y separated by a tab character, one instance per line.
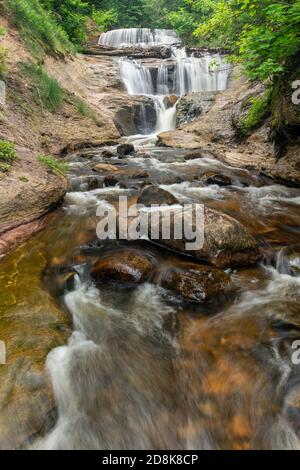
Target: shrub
105	19
59	167
47	90
7	151
5	167
258	111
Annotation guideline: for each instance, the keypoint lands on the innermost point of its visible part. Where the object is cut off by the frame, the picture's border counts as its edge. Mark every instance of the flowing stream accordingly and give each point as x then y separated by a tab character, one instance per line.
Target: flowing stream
143	369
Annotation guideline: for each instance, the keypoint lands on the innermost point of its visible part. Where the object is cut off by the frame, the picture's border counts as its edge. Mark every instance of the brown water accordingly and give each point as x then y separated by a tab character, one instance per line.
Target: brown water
143	370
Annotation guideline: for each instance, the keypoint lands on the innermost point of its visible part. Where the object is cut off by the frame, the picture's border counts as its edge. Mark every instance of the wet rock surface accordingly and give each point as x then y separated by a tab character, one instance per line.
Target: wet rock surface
226	241
195	283
125	149
155	195
125	266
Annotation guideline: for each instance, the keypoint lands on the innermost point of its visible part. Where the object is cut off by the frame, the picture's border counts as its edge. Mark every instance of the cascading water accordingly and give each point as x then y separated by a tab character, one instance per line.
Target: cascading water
138	81
179	76
138	37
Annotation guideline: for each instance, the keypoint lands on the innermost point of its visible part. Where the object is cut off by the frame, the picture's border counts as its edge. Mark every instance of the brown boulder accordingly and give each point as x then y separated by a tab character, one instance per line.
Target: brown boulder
196	283
105	167
217	178
155	195
226	241
127	266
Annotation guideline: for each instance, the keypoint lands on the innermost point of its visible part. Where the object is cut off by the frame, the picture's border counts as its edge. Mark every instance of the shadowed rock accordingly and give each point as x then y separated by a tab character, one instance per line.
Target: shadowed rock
155	195
125	149
226	241
196	283
125	266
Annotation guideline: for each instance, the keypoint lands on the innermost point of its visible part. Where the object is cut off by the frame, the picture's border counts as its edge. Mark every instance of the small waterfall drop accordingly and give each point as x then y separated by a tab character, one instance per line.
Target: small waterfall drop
139	37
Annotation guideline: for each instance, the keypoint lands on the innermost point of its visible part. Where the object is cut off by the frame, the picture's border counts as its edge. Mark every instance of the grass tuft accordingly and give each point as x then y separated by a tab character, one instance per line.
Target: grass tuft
47	90
58	167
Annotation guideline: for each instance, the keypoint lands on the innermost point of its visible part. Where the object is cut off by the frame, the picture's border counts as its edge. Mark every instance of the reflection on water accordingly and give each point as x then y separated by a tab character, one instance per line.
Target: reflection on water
142	369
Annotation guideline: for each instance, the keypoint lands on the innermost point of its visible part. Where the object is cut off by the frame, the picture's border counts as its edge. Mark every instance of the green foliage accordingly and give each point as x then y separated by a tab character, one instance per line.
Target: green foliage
7	151
58	167
72	17
47	91
38	27
258	111
263	34
83	109
5	167
105	19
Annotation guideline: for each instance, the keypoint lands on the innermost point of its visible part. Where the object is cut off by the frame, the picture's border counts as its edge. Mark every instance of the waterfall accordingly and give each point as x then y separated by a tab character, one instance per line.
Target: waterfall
138	81
139	37
182	75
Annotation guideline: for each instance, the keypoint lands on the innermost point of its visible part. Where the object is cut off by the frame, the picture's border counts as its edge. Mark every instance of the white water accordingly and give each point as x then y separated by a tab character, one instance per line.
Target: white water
138	37
187	75
138	81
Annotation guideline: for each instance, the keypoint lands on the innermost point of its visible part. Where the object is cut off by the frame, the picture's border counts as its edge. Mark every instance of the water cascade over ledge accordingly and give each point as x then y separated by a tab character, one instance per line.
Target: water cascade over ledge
139	37
178	76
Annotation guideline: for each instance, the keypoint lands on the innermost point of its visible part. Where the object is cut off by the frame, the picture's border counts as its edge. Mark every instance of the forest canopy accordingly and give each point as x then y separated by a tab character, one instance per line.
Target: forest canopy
263	34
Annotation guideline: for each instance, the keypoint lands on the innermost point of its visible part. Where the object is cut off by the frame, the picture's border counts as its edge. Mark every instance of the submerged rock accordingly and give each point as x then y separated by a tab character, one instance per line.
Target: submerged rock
226	241
126	266
217	178
125	149
196	283
155	195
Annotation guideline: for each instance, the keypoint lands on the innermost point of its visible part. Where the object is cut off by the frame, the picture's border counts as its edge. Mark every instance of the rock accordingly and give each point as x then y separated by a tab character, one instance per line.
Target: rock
127	266
191	106
155	195
100	167
226	241
217	178
85	183
170	101
107	154
123	176
196	283
125	149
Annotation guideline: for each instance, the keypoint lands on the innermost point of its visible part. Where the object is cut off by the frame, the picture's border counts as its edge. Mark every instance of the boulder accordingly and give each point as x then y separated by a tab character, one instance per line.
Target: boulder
107	154
124	176
105	167
196	283
125	149
217	178
127	266
227	243
191	106
155	195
